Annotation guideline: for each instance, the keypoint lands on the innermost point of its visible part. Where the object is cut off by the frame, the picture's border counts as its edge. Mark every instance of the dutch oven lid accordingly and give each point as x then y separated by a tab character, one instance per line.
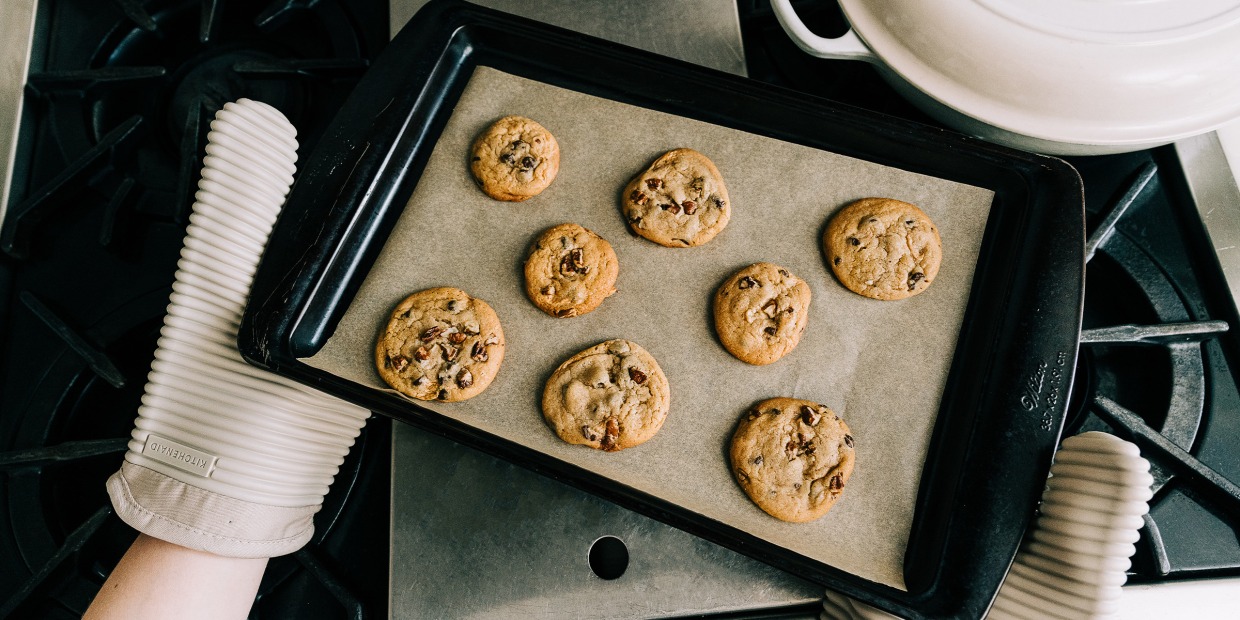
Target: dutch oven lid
1079	71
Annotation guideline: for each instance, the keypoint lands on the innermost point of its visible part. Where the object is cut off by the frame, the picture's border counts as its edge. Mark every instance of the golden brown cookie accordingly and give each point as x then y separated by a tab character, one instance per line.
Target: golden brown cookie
610	397
679	201
792	457
761	312
514	159
883	248
440	344
570	271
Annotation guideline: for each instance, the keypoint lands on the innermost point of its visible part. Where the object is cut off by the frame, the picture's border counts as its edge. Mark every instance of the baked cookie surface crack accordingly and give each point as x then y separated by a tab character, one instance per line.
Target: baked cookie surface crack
792	457
679	201
514	159
440	344
883	248
761	311
610	397
570	270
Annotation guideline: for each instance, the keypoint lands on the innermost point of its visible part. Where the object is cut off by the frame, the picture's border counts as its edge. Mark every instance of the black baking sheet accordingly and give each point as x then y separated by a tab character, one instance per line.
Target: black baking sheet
1020	333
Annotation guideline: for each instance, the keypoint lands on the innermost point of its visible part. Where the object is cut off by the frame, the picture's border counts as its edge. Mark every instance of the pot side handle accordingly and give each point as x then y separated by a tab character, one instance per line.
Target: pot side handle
846	47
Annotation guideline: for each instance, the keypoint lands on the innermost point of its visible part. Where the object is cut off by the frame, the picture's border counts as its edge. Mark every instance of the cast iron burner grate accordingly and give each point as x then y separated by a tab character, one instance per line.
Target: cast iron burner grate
1157	366
116	113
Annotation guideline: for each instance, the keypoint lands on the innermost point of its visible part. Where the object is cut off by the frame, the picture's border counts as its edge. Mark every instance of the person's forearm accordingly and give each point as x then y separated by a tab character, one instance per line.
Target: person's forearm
158	579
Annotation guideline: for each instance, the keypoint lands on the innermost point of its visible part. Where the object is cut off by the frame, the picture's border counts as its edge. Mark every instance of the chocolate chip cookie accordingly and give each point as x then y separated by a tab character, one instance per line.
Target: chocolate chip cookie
570	271
679	201
514	159
440	344
883	248
761	312
610	397
792	457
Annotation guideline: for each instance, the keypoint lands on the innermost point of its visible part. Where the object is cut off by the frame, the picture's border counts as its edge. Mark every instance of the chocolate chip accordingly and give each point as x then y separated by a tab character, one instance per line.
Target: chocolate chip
452	305
399	362
572	262
405	314
637	376
913	278
507	158
796	486
783	272
465	379
836	484
773	411
431	333
854	241
690	207
456	337
790	449
588	434
654	183
417	382
747	282
719	202
757	460
610	435
527	162
442	395
638	197
636	221
848	440
770	308
674	208
770	331
809	416
908	223
516	144
479	352
421	354
754	413
837	260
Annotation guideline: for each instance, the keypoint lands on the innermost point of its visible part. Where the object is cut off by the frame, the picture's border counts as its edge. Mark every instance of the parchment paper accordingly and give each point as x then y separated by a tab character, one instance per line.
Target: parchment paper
880	365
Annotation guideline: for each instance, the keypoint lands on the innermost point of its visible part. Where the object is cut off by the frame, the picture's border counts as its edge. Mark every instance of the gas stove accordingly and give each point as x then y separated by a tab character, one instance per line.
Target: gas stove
114	123
113	127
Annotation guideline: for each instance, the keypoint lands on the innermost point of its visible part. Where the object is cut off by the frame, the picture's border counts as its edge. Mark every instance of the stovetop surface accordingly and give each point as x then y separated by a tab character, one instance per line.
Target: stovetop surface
99	208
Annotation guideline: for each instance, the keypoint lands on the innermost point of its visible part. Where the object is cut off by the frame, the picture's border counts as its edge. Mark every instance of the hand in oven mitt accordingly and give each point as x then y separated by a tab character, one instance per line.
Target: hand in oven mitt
228	458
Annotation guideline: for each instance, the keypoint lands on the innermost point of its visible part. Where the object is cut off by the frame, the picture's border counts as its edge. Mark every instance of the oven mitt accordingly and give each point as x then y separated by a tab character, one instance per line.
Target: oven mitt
1073	562
225	457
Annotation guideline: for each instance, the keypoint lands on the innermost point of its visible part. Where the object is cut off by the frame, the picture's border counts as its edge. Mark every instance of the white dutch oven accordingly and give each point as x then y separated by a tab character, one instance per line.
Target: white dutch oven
1064	77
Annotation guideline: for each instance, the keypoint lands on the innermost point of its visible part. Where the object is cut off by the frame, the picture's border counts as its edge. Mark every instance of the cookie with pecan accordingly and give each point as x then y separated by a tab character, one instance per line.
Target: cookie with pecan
761	312
883	248
514	159
570	271
792	457
609	397
440	344
679	201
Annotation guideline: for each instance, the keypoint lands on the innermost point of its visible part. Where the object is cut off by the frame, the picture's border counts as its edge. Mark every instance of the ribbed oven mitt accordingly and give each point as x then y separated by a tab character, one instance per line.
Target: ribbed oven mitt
1073	562
225	457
